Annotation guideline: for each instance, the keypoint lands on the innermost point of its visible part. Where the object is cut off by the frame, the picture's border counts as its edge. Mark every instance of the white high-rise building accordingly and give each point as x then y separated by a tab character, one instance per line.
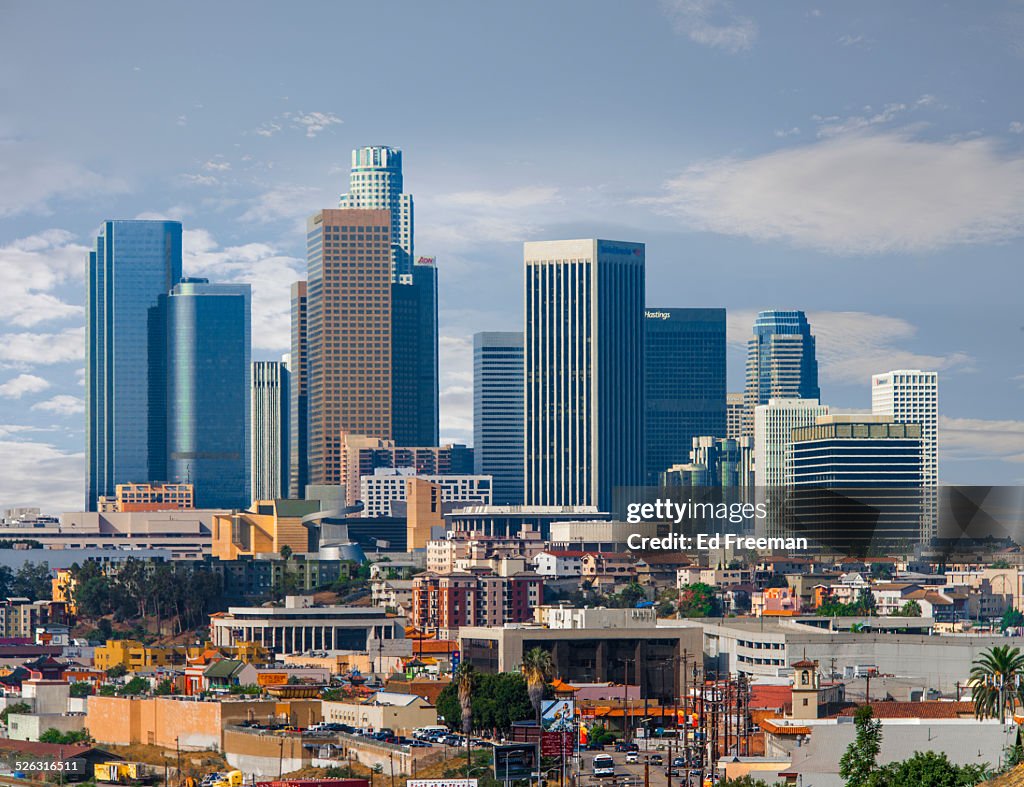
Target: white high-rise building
376	184
911	396
269	419
584	371
773	431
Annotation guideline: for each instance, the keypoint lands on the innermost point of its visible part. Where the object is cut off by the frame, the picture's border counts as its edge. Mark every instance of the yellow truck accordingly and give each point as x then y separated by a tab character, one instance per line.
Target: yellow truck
230	779
124	773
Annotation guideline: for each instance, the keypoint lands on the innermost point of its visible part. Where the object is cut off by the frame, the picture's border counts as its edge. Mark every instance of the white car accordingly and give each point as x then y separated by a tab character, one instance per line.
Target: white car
632	756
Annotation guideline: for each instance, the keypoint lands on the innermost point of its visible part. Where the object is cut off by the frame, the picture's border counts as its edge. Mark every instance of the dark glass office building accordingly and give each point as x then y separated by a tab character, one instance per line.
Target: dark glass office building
684	383
781	362
414	369
298	401
208	389
134	263
498	412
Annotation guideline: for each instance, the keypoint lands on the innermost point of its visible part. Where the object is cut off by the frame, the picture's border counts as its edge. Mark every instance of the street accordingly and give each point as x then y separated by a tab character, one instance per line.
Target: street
631	774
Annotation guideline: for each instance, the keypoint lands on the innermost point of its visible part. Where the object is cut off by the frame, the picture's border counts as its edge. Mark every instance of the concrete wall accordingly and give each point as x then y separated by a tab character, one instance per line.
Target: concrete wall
265	754
29	726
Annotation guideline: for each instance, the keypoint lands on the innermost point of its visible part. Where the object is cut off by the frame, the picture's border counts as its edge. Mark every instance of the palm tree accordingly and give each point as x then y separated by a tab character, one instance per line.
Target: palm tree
537	669
996	682
464	682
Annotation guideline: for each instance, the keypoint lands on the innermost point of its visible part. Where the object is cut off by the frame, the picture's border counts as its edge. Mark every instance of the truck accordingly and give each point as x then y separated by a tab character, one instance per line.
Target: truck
229	779
117	772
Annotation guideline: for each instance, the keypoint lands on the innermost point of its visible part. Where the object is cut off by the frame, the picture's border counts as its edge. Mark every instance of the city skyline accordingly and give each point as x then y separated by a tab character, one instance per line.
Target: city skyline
243	168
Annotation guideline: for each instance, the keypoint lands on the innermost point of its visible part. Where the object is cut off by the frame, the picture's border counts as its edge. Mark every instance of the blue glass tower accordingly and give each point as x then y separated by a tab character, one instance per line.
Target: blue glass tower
208	370
134	263
684	380
781	362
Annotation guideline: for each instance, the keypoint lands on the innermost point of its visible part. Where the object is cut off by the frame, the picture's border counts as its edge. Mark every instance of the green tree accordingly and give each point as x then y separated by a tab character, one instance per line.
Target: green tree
53	735
1012	619
164	688
14	707
80	688
117	671
538	669
107	690
996	682
136	685
698	601
859	761
910	609
745	781
498	700
33	581
928	769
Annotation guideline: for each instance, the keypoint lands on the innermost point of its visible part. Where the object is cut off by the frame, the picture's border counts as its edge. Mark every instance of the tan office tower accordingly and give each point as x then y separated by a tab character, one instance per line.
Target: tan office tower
423	511
349	333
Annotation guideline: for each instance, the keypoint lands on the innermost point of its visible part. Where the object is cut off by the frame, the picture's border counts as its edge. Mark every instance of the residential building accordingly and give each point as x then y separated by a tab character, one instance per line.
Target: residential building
559	563
298	401
270	430
133	264
498	412
149	497
362	455
684	382
734	414
208	388
385	486
446	554
299	626
445	602
781	361
583	368
349	333
267	527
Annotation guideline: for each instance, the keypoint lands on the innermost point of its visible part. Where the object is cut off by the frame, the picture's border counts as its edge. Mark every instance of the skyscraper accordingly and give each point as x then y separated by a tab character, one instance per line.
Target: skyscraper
376	183
349	333
298	401
208	389
270	429
911	396
781	361
414	368
684	375
583	364
498	412
774	423
134	263
734	410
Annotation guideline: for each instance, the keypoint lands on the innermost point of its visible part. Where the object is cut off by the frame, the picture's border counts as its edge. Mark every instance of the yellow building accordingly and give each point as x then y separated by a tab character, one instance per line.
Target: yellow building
268	527
62	588
423	511
149	497
134	655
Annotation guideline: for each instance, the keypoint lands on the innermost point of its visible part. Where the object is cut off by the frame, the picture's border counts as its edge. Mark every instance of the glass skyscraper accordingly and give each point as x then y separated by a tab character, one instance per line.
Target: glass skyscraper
781	361
584	371
270	427
498	413
298	404
684	384
208	390
133	264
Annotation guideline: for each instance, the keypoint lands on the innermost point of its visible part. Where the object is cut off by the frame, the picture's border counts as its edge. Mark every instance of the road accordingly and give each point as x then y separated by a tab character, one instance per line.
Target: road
630	774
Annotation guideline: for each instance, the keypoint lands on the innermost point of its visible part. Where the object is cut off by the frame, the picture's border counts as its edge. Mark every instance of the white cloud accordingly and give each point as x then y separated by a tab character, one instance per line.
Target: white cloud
781	133
467	219
455	359
285	202
714	23
1016	127
978	438
62	404
852	346
258	264
851	40
200	180
31	180
39	474
31	268
858	194
216	165
313	122
43	348
23	384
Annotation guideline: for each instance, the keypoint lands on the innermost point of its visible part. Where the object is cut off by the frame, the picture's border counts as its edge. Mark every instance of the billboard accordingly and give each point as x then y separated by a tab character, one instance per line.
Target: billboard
441	783
515	761
558	715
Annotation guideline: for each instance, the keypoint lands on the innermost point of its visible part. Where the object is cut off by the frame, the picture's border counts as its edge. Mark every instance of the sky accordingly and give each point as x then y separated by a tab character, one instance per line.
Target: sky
862	162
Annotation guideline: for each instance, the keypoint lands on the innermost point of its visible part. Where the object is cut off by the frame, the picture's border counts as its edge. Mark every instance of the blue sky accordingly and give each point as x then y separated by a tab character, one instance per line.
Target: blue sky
862	162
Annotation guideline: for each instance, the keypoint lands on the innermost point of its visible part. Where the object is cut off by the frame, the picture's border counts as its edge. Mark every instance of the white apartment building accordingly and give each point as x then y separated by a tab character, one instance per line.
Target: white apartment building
389	484
559	563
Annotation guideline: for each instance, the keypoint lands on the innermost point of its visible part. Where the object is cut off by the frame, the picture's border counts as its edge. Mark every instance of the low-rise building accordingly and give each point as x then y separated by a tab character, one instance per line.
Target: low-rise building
148	497
267	527
445	602
402	713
